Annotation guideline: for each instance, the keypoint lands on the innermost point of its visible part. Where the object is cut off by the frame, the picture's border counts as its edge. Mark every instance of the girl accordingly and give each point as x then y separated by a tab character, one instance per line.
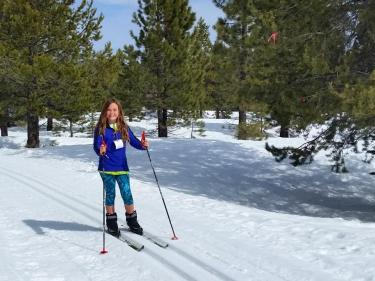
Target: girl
110	138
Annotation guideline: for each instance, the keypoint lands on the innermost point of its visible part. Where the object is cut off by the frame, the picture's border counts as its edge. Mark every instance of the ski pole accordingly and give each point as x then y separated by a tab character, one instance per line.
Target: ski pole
103	251
161	194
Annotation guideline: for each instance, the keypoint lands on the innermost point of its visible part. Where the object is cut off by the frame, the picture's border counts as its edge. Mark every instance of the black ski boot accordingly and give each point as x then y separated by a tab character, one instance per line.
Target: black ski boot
112	226
131	220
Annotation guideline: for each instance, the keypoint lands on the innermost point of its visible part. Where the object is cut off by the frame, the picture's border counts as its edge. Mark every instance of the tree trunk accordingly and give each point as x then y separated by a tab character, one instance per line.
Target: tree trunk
4	130
241	117
49	124
92	123
217	113
32	130
71	128
192	128
162	123
32	115
4	120
284	131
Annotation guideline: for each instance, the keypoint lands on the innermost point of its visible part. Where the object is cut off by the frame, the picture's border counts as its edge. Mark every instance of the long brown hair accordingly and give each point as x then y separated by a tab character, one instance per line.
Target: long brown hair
120	122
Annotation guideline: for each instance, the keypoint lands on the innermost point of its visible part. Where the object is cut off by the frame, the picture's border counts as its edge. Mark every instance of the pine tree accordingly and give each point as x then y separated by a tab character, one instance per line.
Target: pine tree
299	66
239	32
220	94
83	85
130	86
163	40
40	37
193	97
3	104
347	79
8	84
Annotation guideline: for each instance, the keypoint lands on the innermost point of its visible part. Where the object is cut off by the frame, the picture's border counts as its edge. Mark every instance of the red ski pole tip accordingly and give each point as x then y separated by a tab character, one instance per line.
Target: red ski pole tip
104	251
174	238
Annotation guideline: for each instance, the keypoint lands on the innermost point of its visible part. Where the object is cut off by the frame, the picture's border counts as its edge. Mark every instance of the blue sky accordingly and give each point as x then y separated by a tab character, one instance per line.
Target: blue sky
117	21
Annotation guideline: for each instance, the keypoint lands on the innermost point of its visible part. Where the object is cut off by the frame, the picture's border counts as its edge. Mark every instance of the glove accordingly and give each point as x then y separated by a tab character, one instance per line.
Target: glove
144	141
103	148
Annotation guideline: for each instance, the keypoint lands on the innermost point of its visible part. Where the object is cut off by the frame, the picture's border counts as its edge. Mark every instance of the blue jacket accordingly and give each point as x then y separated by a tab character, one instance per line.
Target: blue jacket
115	159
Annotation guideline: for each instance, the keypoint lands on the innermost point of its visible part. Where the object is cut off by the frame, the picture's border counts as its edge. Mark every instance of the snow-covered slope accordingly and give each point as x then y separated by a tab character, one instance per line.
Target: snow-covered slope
238	214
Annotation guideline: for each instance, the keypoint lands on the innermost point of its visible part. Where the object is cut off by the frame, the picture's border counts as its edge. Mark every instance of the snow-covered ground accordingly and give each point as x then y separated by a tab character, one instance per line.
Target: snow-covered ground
238	214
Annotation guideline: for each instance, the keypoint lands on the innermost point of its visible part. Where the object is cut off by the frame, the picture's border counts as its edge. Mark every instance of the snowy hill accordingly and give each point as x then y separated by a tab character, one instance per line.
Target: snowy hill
238	214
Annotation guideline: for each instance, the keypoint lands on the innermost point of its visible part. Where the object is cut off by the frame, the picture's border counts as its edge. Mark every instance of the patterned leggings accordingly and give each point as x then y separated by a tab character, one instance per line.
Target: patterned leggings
109	182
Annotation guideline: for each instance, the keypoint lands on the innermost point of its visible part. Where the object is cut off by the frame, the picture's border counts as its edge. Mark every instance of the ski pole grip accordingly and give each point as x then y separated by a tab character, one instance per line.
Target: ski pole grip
143	138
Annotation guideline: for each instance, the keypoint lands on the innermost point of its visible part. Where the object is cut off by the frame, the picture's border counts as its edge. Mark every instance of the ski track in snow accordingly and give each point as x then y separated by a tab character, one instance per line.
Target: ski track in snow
32	270
40	187
180	256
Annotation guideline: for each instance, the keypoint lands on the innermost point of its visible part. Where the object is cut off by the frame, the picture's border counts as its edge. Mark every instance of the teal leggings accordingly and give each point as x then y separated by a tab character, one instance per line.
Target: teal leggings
109	182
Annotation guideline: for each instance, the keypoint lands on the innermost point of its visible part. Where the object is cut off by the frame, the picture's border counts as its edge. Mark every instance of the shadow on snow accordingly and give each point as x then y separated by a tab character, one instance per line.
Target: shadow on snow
38	226
227	171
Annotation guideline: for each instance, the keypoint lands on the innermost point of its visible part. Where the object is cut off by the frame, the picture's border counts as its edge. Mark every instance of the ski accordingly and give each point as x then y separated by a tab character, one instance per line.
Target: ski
131	243
155	240
152	238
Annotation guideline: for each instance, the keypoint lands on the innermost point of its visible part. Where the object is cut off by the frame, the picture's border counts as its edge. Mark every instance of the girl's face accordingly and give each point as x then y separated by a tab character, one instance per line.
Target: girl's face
112	113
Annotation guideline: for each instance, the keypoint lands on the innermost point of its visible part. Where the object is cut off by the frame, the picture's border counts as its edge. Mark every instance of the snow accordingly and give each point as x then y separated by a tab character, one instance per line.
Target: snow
239	215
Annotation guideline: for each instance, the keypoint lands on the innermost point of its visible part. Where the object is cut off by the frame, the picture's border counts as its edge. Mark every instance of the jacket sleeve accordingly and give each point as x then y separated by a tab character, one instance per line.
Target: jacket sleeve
134	141
97	141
